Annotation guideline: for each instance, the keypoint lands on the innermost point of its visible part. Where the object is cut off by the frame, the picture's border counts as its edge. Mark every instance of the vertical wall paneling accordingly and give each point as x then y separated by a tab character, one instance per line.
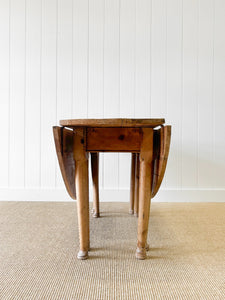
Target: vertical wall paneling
80	58
64	65
5	89
112	58
190	93
158	58
64	60
17	92
127	58
96	75
142	59
111	83
174	90
205	93
48	92
127	77
33	93
219	95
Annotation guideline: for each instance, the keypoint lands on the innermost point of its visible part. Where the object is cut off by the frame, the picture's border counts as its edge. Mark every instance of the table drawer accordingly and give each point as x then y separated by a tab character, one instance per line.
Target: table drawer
114	139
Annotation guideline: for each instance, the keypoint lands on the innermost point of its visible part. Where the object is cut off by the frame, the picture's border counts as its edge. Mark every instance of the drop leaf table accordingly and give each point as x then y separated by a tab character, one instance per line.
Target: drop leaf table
148	141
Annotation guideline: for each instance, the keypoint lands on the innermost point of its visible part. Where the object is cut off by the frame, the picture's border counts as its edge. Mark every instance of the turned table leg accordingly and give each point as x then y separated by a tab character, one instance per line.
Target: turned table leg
145	178
136	194
132	183
95	173
82	189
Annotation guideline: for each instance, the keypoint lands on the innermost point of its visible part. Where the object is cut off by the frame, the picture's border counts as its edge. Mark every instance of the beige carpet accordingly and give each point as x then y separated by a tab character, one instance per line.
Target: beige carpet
39	244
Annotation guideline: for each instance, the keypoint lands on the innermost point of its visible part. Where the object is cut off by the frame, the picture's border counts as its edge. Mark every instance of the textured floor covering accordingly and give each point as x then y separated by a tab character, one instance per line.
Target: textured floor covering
39	243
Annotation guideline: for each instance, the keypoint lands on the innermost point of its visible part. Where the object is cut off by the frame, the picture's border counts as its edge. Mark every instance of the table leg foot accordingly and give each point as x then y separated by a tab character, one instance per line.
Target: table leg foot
136	214
131	211
95	215
141	253
82	255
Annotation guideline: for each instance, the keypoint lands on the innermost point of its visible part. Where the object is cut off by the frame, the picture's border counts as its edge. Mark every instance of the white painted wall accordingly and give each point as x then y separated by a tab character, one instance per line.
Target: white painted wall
112	58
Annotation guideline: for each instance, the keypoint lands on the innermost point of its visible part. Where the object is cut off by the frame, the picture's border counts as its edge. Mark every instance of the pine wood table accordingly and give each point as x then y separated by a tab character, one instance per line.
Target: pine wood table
147	139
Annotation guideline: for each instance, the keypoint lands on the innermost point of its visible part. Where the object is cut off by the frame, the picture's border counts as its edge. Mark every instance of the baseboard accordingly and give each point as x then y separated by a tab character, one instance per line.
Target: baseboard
109	195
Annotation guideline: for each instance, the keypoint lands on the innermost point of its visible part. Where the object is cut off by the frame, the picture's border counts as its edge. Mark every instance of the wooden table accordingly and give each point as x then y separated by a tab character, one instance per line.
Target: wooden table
76	138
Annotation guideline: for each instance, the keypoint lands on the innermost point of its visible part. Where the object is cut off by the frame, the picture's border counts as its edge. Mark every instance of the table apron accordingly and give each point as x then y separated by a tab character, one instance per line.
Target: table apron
114	139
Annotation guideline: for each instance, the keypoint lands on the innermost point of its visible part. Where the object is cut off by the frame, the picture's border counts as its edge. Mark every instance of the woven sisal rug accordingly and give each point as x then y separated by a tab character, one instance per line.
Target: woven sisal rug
39	244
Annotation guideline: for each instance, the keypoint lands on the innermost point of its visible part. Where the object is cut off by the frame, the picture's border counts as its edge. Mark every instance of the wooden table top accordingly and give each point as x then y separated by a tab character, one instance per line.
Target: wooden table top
112	122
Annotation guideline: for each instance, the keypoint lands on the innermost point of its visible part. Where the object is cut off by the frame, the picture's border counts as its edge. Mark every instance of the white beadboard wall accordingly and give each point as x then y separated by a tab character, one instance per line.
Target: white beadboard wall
105	59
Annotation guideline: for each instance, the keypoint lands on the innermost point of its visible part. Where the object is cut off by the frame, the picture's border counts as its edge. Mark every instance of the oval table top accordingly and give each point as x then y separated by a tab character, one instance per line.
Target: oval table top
122	122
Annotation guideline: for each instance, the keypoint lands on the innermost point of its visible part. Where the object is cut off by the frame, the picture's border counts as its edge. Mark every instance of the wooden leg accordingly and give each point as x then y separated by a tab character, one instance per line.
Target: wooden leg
136	197
146	156
82	188
95	172
132	183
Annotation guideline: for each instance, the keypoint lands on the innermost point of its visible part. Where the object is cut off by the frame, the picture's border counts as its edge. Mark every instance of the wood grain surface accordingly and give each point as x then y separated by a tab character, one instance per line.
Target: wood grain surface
114	139
63	138
113	122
